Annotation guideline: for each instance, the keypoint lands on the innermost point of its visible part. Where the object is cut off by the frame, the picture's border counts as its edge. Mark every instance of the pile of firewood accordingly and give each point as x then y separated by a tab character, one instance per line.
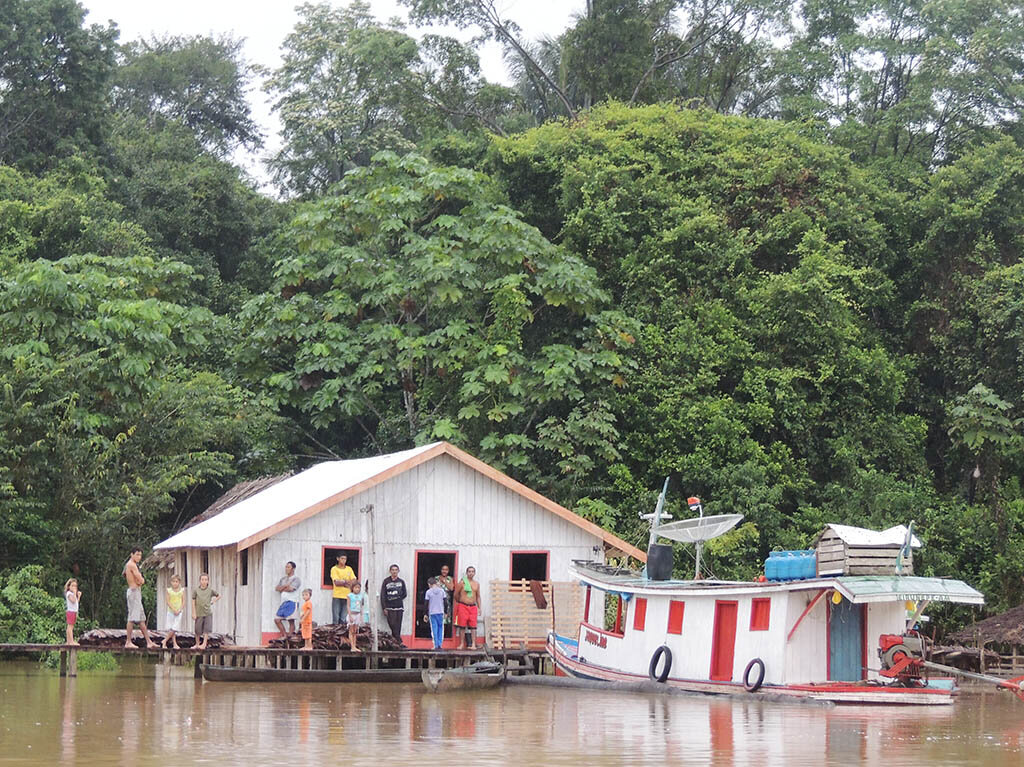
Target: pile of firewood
335	637
113	639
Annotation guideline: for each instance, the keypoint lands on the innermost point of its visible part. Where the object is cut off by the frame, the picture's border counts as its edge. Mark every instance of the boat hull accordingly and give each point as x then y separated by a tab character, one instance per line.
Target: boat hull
448	680
213	673
563	652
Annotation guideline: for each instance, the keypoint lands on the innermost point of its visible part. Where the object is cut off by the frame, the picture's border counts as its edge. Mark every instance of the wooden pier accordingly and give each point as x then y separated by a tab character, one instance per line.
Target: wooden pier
517	661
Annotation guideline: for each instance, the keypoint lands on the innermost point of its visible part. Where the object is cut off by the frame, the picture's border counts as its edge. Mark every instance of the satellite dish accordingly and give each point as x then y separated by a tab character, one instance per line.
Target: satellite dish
699	528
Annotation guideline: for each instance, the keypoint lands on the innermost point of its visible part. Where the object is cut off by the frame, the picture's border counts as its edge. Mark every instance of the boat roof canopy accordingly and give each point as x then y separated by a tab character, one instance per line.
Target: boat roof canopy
865	589
858	589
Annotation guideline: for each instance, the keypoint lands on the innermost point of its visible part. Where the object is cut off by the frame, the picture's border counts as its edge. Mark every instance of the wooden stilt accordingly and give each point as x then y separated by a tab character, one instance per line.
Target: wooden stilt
63	663
73	663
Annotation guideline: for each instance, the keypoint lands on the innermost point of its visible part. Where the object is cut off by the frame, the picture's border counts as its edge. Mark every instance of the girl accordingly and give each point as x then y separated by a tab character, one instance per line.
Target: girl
175	611
72	596
306	622
356	605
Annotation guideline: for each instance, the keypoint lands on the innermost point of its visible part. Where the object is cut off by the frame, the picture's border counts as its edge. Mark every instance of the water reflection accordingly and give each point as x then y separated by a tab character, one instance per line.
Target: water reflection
174	720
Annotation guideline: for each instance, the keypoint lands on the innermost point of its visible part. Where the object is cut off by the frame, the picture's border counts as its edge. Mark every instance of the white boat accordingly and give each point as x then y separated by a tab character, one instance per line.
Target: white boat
841	638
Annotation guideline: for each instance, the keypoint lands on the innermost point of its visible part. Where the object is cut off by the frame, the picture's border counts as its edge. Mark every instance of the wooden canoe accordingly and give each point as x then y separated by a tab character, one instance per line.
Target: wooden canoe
479	676
237	674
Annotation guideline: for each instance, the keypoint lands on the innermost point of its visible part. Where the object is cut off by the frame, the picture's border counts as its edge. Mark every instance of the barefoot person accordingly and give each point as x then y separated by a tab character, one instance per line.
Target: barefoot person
288	588
133	576
467	608
72	598
175	598
202	608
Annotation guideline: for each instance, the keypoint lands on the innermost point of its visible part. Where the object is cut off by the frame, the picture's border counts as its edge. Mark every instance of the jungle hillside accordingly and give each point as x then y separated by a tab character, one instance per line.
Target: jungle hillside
772	251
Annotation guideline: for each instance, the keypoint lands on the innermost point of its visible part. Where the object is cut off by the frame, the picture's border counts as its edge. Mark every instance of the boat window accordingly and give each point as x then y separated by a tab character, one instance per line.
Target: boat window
760	614
675	617
639	613
612	613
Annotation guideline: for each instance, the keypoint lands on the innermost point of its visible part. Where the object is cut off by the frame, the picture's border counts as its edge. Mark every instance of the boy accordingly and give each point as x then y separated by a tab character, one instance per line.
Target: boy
202	608
306	623
434	599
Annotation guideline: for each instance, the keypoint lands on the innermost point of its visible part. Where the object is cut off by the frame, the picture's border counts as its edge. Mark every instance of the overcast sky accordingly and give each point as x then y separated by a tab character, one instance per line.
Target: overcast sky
265	23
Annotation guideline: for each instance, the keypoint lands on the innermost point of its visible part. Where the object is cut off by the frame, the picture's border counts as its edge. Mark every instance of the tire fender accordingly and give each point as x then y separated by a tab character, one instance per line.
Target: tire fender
753	686
653	668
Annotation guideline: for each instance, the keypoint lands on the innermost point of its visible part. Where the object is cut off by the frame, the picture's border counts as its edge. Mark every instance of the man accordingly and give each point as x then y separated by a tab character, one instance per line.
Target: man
342	577
392	599
136	614
202	610
288	588
467	608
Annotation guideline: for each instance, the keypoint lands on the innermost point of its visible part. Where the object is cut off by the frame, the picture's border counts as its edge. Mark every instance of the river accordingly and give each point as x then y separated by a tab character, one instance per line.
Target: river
103	718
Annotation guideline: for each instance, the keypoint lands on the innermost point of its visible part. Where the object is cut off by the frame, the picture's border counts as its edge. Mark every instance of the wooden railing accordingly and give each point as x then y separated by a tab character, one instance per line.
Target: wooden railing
515	621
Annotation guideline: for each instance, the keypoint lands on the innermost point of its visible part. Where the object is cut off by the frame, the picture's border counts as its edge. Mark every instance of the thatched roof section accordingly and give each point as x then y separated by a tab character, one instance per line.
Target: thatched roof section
238	493
1005	628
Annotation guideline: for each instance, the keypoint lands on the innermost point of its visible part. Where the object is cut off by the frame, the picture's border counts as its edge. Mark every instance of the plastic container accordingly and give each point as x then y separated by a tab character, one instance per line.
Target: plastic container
790	565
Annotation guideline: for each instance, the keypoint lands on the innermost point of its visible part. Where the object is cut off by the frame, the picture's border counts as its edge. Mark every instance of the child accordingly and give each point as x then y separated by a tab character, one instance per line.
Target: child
72	596
435	598
306	622
202	608
356	605
175	611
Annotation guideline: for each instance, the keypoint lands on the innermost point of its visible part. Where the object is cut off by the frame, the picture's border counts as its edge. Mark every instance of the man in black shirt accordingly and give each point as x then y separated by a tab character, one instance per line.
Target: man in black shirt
392	599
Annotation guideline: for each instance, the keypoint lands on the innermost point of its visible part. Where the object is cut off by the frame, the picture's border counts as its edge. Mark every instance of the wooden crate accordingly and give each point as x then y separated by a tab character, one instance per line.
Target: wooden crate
516	622
836	557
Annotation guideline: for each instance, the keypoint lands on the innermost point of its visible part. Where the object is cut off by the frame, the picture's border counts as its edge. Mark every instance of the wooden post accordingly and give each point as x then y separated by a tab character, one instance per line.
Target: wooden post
63	662
371	581
73	663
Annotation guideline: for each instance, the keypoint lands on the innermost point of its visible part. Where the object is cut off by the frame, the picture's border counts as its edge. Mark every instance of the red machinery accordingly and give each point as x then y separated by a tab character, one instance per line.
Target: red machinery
902	658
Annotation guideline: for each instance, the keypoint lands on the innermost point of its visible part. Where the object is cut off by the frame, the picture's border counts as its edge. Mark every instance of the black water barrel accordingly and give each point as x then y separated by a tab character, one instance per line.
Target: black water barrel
659	562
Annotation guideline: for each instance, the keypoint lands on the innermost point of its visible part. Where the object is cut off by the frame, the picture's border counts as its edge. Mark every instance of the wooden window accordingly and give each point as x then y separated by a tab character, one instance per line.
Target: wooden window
330	559
184	569
243	566
639	613
204	562
760	614
675	617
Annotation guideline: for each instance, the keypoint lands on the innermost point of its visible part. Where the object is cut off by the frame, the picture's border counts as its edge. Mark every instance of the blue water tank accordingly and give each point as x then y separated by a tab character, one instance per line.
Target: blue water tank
790	565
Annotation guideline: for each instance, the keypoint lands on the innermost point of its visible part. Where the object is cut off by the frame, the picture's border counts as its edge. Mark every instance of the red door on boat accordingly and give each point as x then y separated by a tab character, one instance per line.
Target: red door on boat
723	642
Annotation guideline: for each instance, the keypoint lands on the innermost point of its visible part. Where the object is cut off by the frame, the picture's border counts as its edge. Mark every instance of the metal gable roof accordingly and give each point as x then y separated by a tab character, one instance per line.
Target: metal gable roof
305	494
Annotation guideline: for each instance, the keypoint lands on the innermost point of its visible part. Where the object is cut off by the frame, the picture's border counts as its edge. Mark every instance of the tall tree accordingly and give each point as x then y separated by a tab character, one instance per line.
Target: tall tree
201	82
416	306
346	89
54	80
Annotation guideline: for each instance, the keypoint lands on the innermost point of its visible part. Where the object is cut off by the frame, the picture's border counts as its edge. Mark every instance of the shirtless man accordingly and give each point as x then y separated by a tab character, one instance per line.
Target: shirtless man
136	614
467	608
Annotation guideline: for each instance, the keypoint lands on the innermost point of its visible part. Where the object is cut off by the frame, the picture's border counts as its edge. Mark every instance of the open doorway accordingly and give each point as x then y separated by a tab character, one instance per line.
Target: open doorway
428	564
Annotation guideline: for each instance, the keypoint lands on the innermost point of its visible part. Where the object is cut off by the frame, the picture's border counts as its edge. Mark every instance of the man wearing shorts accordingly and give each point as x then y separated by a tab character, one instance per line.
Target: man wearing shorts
288	588
136	614
202	608
467	608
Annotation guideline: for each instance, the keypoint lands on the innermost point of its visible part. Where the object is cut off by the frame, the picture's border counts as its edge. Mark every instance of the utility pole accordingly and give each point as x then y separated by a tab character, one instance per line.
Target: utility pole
368	571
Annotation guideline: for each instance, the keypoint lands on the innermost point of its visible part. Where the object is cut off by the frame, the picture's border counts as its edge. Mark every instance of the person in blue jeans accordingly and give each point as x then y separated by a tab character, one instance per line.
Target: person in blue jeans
434	599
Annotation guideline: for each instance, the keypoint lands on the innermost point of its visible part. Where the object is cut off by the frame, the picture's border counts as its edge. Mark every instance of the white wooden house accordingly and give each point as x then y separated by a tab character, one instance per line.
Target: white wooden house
429	506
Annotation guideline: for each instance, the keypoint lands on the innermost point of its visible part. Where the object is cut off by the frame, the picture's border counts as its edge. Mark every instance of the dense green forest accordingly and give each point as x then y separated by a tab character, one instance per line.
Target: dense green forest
773	251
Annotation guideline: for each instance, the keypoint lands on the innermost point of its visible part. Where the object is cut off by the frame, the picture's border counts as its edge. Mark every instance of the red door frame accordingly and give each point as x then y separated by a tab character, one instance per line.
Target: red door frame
723	638
412	641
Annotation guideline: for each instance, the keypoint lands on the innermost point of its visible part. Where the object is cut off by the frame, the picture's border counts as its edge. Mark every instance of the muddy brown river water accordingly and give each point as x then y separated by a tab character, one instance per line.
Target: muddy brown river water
120	719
